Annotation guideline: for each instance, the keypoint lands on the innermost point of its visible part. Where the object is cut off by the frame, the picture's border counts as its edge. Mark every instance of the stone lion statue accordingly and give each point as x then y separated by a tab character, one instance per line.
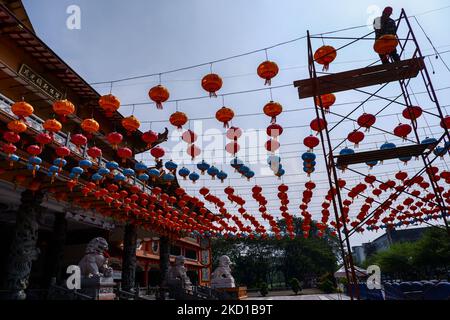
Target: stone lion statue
95	262
221	277
177	275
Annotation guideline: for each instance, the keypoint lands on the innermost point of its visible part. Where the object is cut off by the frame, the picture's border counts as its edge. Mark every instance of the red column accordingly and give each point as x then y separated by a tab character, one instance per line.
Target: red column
146	275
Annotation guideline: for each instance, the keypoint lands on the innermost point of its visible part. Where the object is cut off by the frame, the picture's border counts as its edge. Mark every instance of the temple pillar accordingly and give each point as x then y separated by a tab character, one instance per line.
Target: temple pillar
23	249
56	253
164	255
146	275
129	258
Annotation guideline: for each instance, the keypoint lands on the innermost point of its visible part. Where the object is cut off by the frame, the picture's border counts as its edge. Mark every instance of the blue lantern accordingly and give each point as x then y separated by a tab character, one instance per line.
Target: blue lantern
222	176
119	177
308	156
85	164
250	174
140	167
184	172
34	164
53	172
13	158
372	163
103	171
128	172
243	170
346	151
144	178
76	172
387	145
440	151
431	141
194	176
236	163
60	162
203	166
405	159
213	171
171	166
112	165
280	173
153	173
96	177
168	177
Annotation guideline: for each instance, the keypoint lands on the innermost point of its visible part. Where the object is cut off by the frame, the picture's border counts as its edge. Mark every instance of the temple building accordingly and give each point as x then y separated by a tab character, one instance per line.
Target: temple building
47	217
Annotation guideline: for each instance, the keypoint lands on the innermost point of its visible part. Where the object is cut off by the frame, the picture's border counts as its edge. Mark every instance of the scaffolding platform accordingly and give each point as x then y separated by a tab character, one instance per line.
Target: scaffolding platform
380	155
359	78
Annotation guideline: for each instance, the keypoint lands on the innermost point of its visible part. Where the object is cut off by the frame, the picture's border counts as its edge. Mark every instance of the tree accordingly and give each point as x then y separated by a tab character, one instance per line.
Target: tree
295	285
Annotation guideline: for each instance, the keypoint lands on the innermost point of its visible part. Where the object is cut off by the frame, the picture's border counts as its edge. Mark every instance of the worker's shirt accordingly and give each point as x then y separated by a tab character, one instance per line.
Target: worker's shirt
383	27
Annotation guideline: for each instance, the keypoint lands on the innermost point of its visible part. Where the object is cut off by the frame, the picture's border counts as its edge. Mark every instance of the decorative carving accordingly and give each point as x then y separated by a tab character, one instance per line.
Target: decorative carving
221	277
95	262
177	276
23	247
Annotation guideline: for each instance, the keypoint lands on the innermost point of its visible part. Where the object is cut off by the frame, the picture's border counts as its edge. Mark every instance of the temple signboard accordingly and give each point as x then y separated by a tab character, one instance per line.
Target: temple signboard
39	82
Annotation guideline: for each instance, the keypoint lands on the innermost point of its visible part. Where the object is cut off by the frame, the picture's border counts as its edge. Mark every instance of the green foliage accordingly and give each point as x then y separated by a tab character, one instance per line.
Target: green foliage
277	261
428	257
326	283
263	289
295	285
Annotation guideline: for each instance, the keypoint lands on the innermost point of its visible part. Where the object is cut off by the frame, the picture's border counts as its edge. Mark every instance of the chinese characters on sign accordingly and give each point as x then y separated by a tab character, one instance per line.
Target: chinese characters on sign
27	73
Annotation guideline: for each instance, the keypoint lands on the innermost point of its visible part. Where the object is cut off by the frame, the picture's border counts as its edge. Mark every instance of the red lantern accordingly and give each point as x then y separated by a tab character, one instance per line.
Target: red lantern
34	150
267	70
212	83
274	130
193	151
225	115
366	121
412	113
157	152
149	137
11	137
159	94
178	119
445	123
355	137
189	136
62	152
327	101
318	124
94	152
114	138
109	104
402	130
273	109
311	142
43	138
63	108
325	55
232	148
131	124
78	140
124	154
22	109
234	133
272	145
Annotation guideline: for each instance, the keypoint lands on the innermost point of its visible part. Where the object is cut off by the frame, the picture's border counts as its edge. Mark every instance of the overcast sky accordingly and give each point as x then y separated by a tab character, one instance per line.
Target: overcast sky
120	39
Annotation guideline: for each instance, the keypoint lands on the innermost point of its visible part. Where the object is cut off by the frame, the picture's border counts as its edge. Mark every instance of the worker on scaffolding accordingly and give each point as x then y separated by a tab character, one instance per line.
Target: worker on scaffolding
386	25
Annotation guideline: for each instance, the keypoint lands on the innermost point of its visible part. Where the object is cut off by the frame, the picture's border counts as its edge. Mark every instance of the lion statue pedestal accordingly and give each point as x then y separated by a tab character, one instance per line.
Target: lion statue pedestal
223	281
96	275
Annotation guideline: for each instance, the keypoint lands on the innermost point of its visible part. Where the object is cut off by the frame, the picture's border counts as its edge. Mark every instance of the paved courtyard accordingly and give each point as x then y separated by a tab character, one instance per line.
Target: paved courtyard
332	296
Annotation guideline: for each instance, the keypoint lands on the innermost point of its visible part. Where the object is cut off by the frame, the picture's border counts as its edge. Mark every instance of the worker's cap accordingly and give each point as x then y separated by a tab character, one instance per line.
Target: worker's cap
388	10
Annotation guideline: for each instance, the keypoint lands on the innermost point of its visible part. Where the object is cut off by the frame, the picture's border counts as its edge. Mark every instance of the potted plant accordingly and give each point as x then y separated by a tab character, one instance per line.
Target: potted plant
263	289
295	285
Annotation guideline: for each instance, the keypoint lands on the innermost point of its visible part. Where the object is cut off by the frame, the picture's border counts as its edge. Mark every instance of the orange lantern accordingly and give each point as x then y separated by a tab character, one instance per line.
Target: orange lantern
109	104
90	126
159	94
273	109
325	55
131	124
327	101
63	108
385	44
178	119
212	83
22	109
17	126
52	126
267	70
225	115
